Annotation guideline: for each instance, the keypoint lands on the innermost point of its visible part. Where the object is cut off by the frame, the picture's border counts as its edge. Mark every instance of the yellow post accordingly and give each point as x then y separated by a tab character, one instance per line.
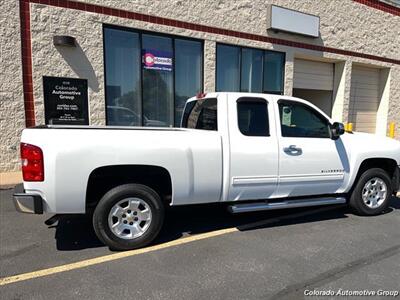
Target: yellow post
345	127
350	127
391	130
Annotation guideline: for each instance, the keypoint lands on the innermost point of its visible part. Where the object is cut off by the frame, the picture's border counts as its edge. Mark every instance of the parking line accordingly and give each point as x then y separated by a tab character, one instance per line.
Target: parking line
110	257
186	240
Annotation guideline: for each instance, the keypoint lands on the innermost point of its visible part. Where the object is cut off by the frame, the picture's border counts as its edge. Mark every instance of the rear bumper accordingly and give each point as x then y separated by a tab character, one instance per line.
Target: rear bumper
27	203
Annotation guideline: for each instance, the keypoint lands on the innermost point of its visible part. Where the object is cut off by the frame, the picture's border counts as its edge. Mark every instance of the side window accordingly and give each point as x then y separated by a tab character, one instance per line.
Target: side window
201	114
299	120
253	117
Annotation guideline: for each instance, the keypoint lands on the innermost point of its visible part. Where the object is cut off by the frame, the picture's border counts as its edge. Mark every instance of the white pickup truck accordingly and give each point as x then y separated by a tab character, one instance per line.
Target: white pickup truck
251	152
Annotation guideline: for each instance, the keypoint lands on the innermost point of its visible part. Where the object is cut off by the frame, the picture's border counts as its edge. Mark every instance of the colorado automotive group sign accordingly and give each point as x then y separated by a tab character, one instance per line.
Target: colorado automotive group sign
65	101
157	60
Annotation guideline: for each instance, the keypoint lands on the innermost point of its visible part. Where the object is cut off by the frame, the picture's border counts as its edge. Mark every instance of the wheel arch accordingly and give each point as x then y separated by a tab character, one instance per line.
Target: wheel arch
104	178
387	164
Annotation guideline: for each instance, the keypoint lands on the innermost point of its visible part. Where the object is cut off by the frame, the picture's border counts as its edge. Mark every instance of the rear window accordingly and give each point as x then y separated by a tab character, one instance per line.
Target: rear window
201	114
253	117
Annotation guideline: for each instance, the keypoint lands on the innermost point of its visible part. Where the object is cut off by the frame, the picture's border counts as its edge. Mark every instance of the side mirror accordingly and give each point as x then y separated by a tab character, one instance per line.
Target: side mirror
337	129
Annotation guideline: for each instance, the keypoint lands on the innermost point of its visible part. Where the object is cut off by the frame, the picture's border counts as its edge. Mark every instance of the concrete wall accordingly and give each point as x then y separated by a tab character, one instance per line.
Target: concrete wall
343	26
12	116
394	97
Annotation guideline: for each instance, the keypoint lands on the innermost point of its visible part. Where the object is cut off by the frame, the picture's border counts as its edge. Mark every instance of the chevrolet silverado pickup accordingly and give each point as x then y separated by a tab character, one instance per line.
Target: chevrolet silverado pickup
248	151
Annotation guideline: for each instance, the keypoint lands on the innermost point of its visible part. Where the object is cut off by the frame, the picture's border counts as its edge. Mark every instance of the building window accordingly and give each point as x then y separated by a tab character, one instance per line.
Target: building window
158	91
228	68
149	77
123	86
188	73
274	70
249	70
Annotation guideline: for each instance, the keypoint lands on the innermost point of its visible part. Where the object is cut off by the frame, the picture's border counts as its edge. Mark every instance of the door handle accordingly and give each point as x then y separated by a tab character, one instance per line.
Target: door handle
292	149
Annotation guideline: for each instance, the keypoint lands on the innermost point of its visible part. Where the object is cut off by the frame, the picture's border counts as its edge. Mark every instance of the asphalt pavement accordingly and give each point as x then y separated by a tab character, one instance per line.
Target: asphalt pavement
271	255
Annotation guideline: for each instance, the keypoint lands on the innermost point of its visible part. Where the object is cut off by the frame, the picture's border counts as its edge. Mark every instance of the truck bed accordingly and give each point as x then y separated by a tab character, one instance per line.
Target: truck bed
72	153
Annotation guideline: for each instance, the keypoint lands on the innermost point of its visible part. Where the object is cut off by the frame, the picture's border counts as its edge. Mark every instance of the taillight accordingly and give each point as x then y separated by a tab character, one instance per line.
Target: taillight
32	163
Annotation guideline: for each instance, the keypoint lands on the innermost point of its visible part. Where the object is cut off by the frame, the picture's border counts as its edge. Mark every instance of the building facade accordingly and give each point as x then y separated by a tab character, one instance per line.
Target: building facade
140	60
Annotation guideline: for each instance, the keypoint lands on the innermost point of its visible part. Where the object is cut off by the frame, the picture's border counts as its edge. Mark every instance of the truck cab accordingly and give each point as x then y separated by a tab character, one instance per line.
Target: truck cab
281	147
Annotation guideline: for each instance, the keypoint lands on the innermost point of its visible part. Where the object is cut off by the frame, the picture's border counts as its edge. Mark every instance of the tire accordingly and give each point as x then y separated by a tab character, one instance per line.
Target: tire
364	206
138	215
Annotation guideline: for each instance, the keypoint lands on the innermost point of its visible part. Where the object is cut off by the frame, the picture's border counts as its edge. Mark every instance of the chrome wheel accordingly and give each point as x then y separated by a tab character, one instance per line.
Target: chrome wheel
129	218
374	192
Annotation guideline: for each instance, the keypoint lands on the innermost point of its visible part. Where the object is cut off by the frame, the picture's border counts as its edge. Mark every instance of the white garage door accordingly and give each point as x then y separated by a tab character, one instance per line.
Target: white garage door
364	98
313	75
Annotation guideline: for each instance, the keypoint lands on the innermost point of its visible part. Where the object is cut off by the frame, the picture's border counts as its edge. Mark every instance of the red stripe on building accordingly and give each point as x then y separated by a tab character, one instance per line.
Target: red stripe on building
381	6
26	54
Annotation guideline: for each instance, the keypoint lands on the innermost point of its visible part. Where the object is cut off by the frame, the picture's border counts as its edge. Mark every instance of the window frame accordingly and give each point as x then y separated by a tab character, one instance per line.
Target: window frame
256	100
192	106
140	32
308	107
240	67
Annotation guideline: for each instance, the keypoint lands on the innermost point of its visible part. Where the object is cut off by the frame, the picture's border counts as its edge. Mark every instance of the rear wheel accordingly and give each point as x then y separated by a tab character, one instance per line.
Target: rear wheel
128	216
372	193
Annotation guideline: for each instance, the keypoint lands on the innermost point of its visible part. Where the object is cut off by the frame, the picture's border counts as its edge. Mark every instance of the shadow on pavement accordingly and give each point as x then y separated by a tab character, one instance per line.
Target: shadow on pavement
76	232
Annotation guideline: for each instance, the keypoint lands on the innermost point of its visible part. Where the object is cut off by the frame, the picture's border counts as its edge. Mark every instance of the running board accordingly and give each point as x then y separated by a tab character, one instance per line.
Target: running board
259	206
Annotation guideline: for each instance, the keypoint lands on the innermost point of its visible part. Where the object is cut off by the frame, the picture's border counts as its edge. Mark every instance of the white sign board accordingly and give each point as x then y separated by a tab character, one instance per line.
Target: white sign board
293	21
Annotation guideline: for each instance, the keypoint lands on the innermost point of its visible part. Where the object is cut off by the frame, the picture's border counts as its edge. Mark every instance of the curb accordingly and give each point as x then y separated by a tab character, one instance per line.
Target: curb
6	187
10	179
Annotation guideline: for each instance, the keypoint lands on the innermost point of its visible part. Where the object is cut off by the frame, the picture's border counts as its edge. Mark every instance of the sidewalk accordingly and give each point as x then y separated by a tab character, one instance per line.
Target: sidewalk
9	180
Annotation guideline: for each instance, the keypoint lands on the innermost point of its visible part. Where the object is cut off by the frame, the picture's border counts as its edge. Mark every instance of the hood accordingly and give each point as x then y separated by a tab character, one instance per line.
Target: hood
377	146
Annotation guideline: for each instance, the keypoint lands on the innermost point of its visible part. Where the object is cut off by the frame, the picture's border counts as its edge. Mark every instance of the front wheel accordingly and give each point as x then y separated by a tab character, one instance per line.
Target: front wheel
372	193
128	216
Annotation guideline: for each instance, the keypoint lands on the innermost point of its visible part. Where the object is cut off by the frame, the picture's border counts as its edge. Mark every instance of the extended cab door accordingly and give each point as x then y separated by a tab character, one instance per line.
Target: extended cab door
253	148
310	162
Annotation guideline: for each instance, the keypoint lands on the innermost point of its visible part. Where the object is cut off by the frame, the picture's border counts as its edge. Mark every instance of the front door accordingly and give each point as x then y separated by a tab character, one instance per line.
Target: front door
310	162
254	149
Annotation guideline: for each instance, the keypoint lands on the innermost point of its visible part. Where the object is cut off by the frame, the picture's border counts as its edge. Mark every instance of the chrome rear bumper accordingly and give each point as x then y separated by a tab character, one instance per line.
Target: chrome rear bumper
27	203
